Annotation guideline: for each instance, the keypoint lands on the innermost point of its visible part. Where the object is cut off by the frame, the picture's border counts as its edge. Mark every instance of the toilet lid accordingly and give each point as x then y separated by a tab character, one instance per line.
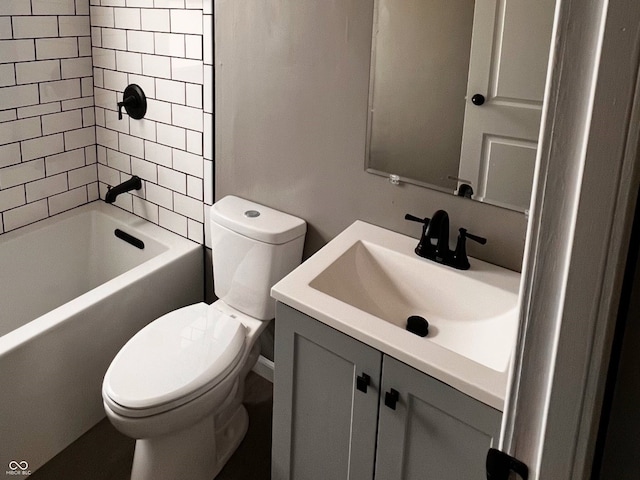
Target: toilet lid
183	352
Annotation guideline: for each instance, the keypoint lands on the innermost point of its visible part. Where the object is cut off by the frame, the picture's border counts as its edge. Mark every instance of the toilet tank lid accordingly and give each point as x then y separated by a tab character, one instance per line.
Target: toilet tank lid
257	221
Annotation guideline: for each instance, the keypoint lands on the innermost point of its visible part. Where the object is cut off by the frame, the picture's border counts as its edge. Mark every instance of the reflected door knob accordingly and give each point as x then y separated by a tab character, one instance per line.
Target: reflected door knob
477	99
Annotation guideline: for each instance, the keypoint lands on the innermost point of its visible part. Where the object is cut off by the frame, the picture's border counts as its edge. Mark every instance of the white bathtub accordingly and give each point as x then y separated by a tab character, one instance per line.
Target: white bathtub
71	294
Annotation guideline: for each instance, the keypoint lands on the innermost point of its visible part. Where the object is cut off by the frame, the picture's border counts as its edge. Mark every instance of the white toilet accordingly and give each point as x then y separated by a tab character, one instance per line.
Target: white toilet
177	385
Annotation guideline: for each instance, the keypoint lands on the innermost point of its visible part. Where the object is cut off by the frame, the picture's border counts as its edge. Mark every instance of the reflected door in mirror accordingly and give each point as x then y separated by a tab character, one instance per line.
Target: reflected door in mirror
508	66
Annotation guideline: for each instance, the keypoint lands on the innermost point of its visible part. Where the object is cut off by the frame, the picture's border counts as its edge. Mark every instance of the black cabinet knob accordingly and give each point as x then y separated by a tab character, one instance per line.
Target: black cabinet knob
391	398
362	382
477	99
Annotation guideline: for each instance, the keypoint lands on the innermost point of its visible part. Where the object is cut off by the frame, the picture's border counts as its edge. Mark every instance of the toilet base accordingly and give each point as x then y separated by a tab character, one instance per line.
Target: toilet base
190	453
230	437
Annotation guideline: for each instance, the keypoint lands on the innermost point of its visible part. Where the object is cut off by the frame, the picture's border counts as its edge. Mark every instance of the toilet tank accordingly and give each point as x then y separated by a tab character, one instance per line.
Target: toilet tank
253	247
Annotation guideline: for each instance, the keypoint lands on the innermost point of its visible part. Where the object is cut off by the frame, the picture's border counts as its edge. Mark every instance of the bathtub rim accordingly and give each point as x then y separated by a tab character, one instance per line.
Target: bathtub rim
175	247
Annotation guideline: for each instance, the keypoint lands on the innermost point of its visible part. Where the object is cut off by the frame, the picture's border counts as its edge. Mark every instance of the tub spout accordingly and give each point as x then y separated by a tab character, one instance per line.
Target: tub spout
134	183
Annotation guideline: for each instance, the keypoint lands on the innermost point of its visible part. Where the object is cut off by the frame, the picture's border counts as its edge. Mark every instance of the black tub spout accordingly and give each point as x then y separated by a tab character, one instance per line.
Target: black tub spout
134	183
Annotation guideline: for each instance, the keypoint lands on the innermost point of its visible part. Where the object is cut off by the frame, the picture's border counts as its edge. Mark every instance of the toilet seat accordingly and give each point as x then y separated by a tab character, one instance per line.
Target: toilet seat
173	360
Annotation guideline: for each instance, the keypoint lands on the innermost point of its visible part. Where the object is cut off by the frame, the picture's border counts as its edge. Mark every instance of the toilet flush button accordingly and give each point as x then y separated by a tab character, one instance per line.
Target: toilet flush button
252	213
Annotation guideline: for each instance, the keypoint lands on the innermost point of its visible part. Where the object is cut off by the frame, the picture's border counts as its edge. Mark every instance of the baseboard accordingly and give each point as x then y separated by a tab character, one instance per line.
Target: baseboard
264	368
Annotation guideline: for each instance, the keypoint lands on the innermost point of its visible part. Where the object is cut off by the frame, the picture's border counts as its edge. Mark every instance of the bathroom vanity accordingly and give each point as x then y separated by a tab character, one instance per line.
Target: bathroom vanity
358	396
343	409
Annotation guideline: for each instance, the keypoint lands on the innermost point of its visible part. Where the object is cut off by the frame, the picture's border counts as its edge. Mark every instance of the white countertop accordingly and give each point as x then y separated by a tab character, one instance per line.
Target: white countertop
472	342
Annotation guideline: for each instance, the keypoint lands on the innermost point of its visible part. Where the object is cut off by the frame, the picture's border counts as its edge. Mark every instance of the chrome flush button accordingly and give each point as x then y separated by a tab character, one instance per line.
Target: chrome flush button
252	213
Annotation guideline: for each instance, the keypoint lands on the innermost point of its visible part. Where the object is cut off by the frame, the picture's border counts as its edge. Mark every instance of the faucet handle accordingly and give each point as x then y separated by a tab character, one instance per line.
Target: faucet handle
134	102
424	247
126	102
413	218
460	259
471	236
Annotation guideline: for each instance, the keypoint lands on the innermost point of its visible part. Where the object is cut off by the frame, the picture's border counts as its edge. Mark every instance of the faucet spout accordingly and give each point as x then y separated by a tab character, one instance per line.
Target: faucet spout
434	242
134	183
438	231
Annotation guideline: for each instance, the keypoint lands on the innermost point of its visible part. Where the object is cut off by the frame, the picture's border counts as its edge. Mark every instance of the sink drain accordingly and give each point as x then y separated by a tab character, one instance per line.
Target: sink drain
418	325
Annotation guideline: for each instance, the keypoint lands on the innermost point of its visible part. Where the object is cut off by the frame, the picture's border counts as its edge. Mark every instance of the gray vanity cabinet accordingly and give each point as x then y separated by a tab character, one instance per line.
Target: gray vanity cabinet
326	426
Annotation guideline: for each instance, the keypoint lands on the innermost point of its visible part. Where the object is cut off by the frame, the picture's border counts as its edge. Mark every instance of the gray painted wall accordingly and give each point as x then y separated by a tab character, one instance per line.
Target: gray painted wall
290	123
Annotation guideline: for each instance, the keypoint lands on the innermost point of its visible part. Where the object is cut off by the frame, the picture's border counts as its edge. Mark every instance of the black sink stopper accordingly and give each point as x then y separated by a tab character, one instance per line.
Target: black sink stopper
418	325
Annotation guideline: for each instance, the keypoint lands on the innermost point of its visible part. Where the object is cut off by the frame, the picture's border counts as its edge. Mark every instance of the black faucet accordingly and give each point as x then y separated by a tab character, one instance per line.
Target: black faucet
434	242
134	183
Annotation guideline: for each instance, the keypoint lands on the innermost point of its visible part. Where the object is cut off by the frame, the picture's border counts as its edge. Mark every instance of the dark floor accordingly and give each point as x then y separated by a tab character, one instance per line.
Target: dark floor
105	454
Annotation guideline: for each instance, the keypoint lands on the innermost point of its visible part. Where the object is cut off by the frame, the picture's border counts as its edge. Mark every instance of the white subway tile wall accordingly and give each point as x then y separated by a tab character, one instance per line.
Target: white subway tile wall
63	67
164	46
47	132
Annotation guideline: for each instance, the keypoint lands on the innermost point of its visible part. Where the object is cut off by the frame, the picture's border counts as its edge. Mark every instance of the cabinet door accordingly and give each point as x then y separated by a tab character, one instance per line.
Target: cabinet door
435	432
323	426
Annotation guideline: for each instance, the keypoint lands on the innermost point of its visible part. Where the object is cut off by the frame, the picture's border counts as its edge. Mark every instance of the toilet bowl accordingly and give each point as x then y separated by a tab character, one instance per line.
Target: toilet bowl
177	385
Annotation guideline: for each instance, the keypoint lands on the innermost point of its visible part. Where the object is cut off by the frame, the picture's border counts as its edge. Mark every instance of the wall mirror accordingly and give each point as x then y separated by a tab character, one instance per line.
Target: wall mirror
456	95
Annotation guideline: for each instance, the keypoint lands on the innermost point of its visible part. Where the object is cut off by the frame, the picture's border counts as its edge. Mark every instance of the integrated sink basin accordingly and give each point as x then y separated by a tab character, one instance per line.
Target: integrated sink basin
366	283
465	315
